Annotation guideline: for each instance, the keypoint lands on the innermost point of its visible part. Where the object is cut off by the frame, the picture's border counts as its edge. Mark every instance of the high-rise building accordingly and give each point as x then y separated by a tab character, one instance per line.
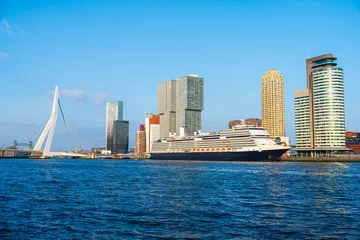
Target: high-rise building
152	128
114	112
167	107
121	137
272	103
140	140
180	103
190	103
319	109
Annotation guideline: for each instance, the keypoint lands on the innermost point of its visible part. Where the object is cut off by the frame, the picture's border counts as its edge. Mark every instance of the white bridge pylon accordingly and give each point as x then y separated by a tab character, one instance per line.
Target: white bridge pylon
48	132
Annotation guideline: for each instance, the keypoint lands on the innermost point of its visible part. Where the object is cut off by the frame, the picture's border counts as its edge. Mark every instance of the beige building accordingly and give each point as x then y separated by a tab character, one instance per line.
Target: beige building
272	103
140	142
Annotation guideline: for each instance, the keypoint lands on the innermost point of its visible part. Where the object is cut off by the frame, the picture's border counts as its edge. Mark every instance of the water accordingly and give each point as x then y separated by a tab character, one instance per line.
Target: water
108	199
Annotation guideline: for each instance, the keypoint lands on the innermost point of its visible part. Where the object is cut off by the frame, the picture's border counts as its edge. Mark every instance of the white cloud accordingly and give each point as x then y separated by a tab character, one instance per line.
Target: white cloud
75	94
98	98
2	54
79	95
5	26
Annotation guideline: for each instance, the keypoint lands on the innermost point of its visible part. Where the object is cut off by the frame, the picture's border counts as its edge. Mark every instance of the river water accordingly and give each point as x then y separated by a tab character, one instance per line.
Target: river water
127	199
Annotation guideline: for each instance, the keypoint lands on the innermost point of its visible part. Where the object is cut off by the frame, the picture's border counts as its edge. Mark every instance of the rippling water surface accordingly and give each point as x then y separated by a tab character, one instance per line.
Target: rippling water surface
63	198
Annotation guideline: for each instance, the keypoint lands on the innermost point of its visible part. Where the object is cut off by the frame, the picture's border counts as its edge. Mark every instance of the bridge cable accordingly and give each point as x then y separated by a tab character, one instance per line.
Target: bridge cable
67	129
73	130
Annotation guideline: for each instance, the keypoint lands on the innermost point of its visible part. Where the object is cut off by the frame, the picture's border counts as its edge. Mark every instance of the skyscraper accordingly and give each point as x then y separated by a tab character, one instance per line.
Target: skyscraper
319	109
114	111
190	103
167	107
121	137
180	103
272	103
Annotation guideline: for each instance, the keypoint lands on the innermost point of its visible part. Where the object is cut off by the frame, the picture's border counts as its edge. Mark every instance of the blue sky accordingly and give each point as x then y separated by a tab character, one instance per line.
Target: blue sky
99	51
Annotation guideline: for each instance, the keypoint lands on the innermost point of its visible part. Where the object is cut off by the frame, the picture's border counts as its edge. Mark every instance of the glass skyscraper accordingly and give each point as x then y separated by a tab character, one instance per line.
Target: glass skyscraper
121	137
190	103
319	110
114	112
180	103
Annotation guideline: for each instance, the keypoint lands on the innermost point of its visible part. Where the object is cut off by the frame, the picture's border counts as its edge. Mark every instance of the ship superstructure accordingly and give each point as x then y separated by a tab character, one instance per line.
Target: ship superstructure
241	142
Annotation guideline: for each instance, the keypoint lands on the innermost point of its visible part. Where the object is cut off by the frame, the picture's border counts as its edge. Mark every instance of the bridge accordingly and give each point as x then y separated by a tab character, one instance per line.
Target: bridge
15	123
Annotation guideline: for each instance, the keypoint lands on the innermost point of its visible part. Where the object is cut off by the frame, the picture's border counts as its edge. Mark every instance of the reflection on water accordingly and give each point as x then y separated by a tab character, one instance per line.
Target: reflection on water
153	199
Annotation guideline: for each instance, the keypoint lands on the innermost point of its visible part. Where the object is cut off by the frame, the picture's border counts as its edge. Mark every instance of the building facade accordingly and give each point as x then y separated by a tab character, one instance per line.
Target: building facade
167	107
250	121
140	141
319	109
97	150
114	112
180	103
353	141
302	119
152	133
272	103
121	137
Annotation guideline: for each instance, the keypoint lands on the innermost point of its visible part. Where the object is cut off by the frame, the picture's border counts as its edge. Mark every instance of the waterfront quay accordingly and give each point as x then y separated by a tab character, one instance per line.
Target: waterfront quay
345	158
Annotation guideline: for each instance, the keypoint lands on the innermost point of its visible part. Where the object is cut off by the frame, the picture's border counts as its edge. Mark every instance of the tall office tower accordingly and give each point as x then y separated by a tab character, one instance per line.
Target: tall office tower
272	103
180	103
319	109
190	103
121	137
152	128
114	111
167	107
140	140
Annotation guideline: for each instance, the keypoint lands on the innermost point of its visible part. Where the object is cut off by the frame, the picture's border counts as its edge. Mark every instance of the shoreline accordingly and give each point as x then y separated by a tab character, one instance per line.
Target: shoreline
321	159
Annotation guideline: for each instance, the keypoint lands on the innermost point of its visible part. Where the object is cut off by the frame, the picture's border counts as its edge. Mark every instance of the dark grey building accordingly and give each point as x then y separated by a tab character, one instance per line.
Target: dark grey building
121	137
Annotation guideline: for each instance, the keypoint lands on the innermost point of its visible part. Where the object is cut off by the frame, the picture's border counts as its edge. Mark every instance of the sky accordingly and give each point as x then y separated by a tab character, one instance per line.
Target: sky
98	51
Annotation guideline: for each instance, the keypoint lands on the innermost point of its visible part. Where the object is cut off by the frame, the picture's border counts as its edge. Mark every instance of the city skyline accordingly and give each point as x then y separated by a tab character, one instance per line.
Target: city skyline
102	64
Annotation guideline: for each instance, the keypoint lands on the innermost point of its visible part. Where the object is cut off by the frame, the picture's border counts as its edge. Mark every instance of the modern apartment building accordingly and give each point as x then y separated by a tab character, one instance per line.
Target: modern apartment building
272	103
319	109
180	103
114	112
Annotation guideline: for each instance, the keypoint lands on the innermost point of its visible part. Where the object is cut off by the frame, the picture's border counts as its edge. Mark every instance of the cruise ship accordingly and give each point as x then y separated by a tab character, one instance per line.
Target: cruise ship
240	143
